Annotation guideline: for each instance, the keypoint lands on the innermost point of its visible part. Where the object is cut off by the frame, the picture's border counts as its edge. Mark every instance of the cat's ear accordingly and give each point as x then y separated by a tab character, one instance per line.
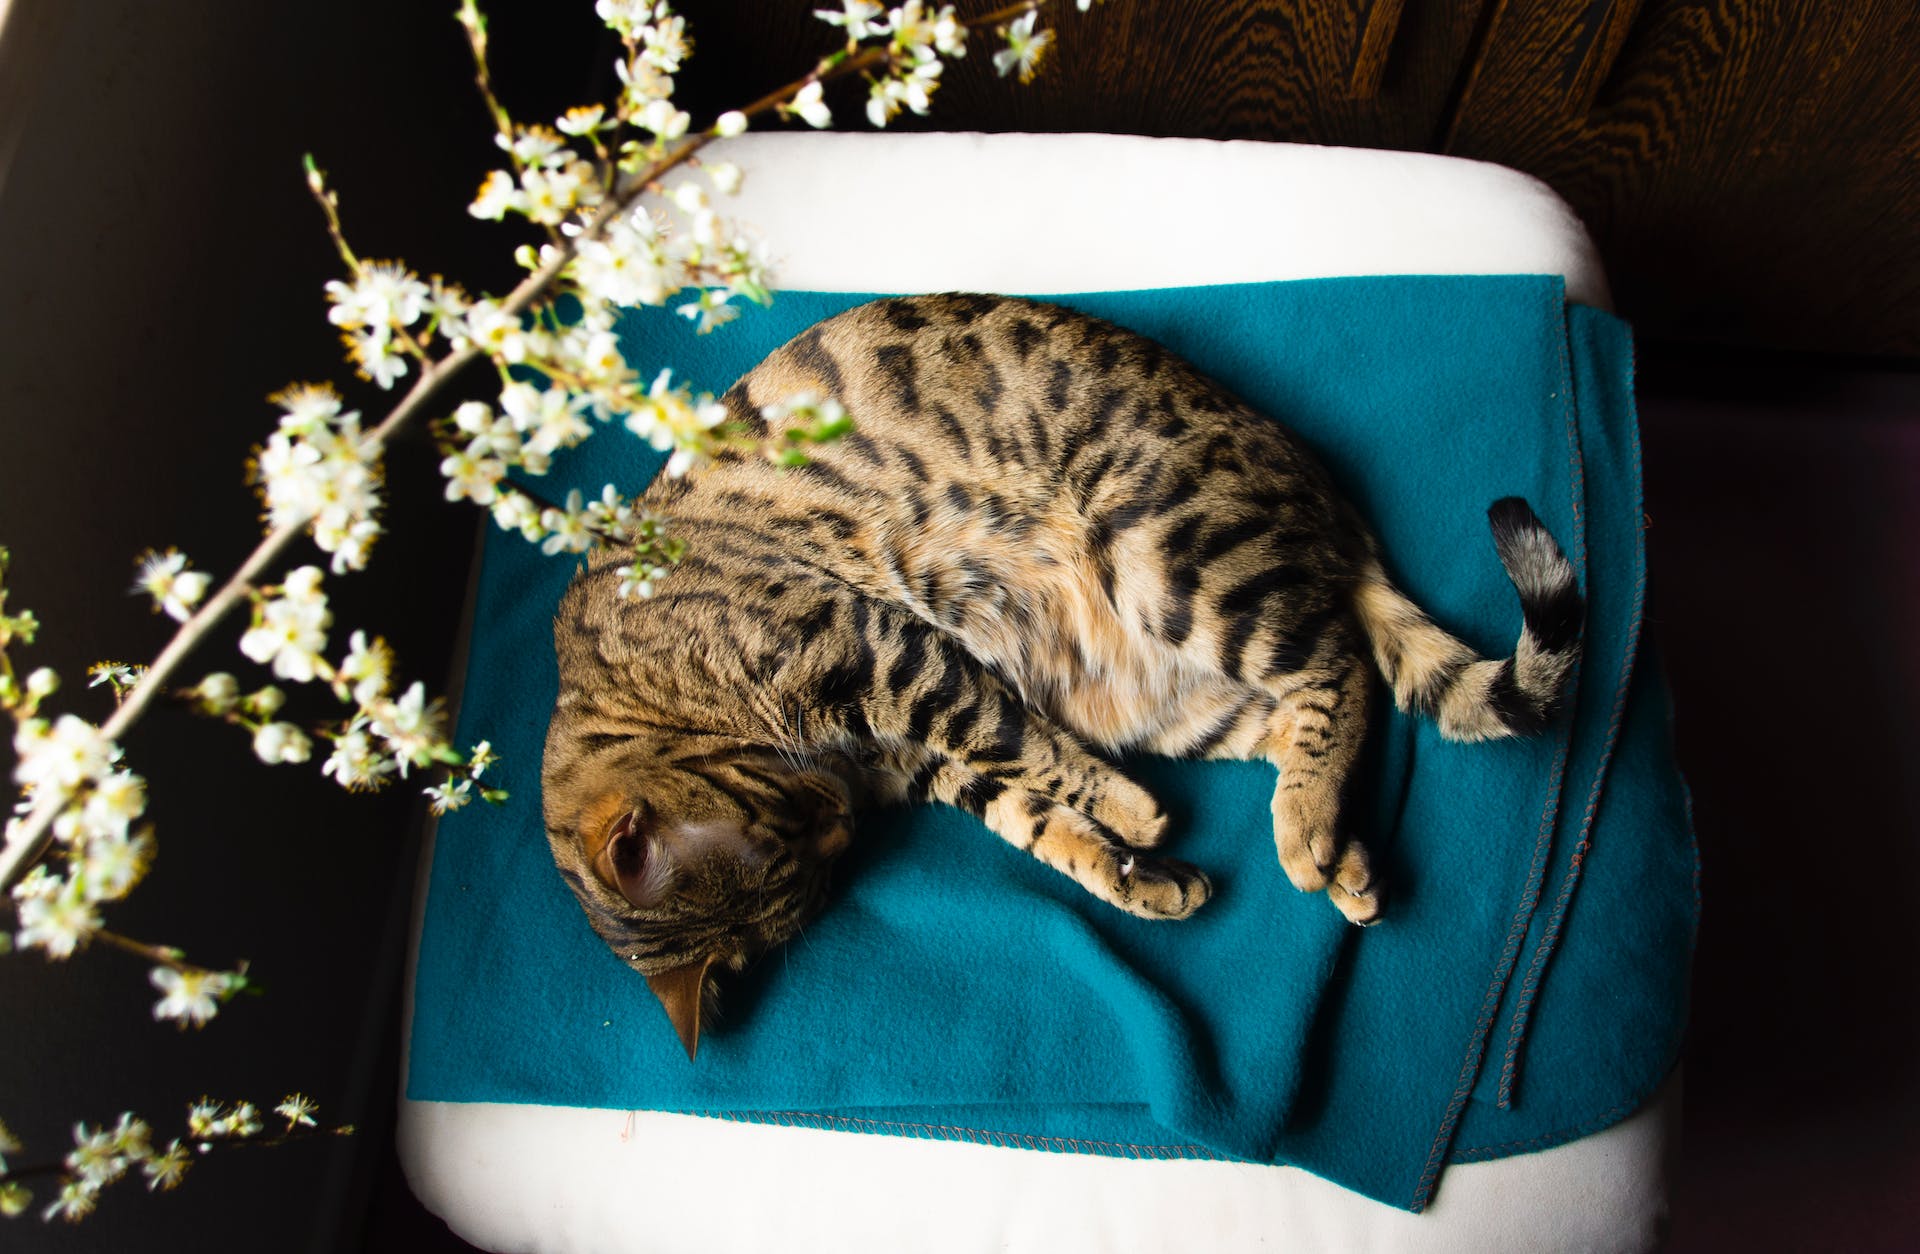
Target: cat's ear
622	861
681	992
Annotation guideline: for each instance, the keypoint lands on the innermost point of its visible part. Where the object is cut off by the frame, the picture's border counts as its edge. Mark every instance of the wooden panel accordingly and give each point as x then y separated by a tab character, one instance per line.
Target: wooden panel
1751	169
1356	72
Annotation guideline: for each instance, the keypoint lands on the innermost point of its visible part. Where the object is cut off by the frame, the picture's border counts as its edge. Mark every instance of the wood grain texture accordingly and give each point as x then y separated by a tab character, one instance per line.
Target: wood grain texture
1377	28
1751	168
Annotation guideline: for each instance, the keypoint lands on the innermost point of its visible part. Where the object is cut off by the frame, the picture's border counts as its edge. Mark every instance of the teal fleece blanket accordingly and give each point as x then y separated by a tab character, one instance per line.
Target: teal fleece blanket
1528	984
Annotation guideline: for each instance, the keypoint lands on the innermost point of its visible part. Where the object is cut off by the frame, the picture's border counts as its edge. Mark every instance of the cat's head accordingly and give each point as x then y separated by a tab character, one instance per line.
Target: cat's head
690	854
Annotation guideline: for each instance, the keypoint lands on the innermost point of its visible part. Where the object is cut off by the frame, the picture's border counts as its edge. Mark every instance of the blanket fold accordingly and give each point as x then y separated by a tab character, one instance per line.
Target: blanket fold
957	988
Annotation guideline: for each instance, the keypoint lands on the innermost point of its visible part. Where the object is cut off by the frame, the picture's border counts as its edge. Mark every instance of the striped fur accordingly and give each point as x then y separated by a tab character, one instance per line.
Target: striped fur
1046	537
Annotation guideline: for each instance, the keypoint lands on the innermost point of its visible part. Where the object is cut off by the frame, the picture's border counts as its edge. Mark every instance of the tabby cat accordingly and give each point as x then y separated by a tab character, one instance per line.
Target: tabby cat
1047	537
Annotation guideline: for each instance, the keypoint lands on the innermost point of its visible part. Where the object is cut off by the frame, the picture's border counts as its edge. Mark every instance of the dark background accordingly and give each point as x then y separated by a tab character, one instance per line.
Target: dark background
1747	170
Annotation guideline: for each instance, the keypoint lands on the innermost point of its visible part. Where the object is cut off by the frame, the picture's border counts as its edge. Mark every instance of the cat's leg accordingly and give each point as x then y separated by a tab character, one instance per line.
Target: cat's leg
1031	782
1313	736
1072	843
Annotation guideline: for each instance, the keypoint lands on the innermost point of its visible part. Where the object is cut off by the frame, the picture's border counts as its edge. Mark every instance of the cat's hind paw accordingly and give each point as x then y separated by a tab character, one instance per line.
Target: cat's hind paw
1352	888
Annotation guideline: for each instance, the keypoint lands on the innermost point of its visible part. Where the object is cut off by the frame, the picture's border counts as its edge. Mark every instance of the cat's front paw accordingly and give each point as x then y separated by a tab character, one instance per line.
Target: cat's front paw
1159	888
1130	813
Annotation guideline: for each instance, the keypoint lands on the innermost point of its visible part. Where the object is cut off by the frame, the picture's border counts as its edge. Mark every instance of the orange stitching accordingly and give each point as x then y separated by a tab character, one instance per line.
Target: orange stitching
1549	940
1529	901
979	1136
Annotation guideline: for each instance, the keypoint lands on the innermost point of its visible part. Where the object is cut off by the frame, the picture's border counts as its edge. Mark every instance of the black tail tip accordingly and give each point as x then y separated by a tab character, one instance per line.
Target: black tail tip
1510	517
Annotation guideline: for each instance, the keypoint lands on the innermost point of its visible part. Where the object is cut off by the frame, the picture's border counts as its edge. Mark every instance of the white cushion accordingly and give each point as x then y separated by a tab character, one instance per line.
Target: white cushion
1039	214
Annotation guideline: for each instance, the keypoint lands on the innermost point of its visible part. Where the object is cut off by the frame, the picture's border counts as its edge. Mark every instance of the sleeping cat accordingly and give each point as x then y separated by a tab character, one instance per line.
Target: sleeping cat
1047	537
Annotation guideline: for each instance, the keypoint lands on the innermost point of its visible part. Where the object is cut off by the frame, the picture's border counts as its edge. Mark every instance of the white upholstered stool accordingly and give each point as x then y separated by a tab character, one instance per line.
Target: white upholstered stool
1053	214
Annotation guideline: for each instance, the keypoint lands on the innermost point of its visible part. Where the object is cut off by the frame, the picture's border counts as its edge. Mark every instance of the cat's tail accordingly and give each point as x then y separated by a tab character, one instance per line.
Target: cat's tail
1470	697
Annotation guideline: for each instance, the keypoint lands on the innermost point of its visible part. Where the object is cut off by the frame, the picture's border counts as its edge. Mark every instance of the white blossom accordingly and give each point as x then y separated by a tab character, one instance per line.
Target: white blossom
242	1120
93	1159
496	332
498	196
566	529
860	18
449	796
291	630
725	176
602	368
377	357
1024	49
554	192
355	764
665	121
191	997
550	420
320	475
54	914
165	1168
66	754
641	84
625	17
581	120
811	108
174	589
731	123
112	864
297	1110
349	546
481	758
636	581
472	478
709	310
920	35
303	586
610	513
628	265
666	43
537	146
909	88
669	417
275	743
516	511
308	407
117	675
105	813
368	667
383	295
216	693
410	727
74	1203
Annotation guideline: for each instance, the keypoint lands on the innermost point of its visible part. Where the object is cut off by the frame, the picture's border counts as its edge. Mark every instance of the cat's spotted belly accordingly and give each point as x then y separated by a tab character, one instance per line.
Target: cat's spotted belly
1078	638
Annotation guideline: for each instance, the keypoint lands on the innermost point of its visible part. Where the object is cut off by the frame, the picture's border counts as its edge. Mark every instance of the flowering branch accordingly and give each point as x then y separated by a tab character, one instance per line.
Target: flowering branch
101	1157
615	235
